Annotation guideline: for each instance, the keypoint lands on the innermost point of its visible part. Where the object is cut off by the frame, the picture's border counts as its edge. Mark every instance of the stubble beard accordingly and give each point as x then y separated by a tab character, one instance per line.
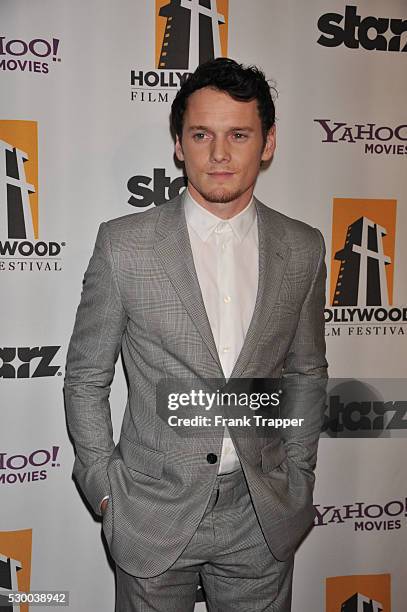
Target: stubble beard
221	196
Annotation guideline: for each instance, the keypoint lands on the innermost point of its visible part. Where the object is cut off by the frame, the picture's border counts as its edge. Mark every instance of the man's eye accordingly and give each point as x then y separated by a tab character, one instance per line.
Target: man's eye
239	136
199	136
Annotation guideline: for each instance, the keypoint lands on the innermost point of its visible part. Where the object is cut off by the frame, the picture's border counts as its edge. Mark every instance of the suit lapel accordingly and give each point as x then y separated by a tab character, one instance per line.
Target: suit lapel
174	251
273	257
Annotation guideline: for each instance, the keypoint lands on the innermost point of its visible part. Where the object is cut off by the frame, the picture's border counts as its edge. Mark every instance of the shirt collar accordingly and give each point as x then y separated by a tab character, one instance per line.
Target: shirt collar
204	222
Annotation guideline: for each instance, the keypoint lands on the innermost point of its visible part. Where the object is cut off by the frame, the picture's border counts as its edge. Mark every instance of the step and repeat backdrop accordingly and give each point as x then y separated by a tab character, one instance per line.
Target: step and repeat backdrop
86	88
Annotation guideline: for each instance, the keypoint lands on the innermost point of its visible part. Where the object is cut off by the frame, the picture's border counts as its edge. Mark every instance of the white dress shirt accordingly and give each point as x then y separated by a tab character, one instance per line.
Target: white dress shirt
226	258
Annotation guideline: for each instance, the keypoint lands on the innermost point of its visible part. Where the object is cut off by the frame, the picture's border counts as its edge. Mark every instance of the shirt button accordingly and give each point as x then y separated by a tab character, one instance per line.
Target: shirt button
227	299
223	247
211	458
226	349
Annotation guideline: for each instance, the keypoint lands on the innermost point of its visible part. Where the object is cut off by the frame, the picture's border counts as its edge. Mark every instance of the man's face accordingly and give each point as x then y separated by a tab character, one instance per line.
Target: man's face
222	147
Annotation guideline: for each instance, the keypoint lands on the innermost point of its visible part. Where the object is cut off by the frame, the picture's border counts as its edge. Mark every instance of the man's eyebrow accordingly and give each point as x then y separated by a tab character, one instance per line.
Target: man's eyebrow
232	129
243	128
198	127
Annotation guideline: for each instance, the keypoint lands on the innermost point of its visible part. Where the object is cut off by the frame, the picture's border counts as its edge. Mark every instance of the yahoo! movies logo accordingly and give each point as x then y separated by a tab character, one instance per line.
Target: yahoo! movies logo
358	593
187	33
21	248
26	468
375	139
370	33
35	55
15	567
364	517
362	268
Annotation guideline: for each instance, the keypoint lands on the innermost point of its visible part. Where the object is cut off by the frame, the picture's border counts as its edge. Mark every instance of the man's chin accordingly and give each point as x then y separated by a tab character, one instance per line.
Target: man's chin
221	196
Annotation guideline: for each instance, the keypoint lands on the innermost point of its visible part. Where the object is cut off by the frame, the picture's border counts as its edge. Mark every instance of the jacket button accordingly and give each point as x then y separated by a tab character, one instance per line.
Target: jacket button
211	458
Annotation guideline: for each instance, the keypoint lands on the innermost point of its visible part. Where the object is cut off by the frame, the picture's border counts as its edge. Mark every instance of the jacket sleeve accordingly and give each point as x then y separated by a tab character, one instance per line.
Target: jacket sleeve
92	353
305	371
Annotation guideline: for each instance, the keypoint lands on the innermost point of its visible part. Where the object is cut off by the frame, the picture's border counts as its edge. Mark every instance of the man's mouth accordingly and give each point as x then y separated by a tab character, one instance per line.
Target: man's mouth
221	175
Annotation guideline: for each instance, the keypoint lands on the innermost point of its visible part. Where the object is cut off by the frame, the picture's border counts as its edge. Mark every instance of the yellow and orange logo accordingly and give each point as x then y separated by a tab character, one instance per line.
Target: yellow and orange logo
362	256
188	33
15	558
365	592
19	149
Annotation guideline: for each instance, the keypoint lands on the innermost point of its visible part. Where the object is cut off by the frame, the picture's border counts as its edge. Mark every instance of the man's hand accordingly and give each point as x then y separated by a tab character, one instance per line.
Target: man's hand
103	505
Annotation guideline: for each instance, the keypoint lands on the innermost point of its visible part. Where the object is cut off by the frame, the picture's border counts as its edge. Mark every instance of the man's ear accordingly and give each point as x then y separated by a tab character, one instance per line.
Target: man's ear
178	149
270	145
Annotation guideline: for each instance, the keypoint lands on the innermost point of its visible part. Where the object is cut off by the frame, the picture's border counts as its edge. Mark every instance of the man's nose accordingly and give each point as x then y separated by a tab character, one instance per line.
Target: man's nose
220	150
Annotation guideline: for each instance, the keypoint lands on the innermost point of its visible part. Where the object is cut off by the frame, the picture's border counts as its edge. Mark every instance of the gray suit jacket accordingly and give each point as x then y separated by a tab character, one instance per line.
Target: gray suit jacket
141	296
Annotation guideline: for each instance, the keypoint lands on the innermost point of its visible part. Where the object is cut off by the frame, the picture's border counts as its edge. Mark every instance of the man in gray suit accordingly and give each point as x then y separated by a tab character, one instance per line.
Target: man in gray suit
213	285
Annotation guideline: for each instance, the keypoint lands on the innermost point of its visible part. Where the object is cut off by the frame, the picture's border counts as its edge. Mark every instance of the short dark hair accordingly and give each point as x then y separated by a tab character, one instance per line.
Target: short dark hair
240	82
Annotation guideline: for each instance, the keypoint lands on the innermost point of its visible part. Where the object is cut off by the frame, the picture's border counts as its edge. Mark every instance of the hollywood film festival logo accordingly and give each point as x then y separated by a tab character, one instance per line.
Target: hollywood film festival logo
35	55
187	33
358	593
15	567
22	249
362	270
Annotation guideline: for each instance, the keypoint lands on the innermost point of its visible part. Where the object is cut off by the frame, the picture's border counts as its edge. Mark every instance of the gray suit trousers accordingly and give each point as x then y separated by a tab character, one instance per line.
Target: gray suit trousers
228	551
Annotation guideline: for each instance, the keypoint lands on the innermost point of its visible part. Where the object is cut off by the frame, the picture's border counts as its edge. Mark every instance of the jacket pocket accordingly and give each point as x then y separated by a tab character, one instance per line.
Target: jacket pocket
272	455
141	458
